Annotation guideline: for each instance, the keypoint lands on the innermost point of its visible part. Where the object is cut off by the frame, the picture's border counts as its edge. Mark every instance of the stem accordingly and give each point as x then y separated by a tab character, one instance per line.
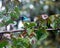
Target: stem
13	31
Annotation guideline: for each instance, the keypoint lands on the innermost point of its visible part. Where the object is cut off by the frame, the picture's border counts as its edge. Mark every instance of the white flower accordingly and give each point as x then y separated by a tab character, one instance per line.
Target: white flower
44	16
7	36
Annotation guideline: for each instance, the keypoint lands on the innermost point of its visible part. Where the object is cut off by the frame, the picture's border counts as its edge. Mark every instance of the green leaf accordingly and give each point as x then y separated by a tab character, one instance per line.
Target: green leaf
14	16
29	24
32	24
40	33
3	43
8	22
53	25
52	18
2	24
20	42
29	31
16	9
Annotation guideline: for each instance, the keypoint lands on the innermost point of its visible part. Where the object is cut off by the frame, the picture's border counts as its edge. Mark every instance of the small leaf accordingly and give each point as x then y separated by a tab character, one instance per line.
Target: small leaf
2	24
52	18
29	31
14	16
29	24
8	22
3	43
40	33
20	42
53	25
16	9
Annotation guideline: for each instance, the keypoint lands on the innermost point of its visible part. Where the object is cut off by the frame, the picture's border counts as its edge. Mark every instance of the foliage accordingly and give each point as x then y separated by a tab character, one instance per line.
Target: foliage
23	40
20	42
15	14
3	43
40	33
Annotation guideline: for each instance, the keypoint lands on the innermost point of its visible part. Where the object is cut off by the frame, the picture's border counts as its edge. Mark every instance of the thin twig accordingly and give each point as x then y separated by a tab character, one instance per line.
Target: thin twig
13	31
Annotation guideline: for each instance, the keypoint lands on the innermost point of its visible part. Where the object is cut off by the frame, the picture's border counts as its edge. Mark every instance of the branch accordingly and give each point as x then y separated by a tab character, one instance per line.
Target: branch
49	29
13	31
